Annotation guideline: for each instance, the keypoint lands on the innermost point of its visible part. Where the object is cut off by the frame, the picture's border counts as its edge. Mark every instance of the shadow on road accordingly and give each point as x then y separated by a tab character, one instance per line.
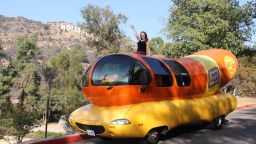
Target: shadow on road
181	130
114	141
176	132
240	128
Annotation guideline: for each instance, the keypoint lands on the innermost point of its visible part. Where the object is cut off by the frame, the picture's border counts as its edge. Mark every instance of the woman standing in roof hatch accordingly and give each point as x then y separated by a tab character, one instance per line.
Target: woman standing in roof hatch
143	42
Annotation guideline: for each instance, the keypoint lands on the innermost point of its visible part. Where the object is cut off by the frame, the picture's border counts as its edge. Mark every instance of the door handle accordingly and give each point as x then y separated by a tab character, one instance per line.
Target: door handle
143	89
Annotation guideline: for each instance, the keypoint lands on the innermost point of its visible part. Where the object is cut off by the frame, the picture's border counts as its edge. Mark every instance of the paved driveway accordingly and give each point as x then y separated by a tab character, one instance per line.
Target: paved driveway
240	129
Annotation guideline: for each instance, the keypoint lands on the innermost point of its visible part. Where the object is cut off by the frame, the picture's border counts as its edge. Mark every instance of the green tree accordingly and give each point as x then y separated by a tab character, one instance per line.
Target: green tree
156	45
6	82
2	52
245	81
18	123
25	65
17	120
169	50
65	92
26	49
104	25
29	81
1	48
199	24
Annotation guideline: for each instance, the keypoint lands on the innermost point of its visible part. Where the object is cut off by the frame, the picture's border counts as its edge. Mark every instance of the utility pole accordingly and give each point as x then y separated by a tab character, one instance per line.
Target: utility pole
47	75
47	108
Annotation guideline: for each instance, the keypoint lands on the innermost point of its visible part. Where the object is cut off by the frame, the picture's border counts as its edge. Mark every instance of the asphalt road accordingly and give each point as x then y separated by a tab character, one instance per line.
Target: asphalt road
240	128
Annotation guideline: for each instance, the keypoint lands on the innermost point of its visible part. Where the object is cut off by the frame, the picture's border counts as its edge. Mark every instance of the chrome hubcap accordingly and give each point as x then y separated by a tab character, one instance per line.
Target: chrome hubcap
219	121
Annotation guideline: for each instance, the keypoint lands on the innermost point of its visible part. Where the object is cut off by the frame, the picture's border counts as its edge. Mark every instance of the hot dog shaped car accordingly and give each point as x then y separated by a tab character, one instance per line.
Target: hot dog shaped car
135	95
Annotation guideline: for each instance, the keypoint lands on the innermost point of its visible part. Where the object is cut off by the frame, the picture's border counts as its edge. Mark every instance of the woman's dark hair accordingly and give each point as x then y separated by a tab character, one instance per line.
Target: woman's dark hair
146	36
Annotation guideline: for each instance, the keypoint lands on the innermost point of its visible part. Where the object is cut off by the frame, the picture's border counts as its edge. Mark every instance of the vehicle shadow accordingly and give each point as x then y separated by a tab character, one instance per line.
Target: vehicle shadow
184	129
239	128
176	132
99	140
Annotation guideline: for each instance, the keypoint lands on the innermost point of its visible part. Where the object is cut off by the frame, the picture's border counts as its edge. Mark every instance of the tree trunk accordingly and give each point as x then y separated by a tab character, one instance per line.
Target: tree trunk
19	139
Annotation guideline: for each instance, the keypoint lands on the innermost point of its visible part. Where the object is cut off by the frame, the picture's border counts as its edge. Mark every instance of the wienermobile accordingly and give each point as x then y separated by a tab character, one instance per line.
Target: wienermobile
141	96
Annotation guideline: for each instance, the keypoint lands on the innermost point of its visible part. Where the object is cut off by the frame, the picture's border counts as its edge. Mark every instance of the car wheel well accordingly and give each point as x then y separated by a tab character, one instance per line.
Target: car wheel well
162	129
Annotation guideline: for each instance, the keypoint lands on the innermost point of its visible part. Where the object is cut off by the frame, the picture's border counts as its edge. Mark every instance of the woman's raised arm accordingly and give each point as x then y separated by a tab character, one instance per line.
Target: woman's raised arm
135	32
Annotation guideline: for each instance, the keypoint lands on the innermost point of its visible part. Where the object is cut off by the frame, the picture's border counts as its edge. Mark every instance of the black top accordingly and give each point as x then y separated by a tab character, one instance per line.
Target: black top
142	46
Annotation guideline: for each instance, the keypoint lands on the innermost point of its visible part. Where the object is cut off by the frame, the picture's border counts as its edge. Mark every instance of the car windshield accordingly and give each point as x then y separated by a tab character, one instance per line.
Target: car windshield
112	69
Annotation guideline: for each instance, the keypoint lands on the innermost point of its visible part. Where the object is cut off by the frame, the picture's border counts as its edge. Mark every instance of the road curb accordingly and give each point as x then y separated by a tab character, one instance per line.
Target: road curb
61	140
245	106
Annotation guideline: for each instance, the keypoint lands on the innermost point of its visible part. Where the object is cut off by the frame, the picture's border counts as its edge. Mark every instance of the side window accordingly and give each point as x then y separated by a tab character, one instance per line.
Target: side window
161	72
85	77
139	74
181	74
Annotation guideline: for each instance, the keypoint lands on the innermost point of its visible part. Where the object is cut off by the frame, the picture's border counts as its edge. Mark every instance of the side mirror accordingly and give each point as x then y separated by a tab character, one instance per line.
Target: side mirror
144	77
84	82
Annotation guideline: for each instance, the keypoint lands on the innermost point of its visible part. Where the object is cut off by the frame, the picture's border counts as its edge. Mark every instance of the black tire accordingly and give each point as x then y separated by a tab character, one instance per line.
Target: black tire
217	123
152	137
106	138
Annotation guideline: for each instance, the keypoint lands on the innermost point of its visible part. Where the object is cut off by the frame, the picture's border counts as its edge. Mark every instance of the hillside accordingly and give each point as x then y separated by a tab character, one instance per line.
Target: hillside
51	38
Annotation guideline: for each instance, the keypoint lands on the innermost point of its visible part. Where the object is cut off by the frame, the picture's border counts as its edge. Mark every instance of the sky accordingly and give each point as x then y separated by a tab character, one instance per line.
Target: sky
143	14
146	15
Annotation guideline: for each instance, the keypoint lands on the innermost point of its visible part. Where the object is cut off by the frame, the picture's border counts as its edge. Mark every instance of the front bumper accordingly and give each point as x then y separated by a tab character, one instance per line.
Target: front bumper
112	131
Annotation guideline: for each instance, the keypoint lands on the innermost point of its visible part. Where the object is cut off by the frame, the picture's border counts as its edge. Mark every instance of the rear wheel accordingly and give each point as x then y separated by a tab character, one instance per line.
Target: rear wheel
217	123
152	137
106	138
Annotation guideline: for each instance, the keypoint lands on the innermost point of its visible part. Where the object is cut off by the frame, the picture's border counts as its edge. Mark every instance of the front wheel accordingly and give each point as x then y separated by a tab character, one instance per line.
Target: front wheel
217	123
152	137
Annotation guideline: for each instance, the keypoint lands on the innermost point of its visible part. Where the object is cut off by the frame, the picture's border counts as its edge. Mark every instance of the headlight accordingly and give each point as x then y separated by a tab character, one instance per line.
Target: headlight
120	122
70	117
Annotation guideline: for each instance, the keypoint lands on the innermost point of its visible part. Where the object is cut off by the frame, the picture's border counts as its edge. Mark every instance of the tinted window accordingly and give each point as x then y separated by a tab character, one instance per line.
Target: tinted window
138	71
161	72
156	66
181	74
85	77
112	69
